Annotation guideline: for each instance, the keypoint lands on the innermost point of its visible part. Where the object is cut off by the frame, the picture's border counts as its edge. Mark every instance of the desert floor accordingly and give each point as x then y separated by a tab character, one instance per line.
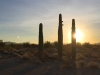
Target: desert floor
26	62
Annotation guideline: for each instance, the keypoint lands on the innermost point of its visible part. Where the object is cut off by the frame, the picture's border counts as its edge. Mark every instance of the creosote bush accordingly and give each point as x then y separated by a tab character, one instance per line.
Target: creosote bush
26	44
47	44
87	44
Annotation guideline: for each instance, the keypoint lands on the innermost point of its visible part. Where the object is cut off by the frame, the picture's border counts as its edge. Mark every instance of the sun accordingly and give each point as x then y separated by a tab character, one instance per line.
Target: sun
78	35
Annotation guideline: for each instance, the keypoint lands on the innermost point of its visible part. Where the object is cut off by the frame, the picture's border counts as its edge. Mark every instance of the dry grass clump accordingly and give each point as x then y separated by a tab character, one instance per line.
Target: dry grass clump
51	50
67	62
80	56
36	52
54	55
27	55
67	53
80	64
6	49
16	55
93	65
47	55
88	53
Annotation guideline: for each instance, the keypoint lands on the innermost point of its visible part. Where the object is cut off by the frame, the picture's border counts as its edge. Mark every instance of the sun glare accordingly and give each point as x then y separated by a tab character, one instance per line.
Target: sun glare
78	35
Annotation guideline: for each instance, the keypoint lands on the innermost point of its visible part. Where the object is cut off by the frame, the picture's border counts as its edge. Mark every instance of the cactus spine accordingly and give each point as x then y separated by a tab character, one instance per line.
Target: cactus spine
40	41
73	40
60	37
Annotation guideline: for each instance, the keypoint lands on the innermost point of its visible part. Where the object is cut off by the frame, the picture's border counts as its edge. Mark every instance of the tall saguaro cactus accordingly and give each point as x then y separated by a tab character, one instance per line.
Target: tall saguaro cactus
40	41
60	37
73	40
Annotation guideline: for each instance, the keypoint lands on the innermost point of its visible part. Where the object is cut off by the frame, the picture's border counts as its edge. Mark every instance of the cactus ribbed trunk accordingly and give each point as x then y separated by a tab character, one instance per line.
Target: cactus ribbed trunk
40	41
73	42
60	37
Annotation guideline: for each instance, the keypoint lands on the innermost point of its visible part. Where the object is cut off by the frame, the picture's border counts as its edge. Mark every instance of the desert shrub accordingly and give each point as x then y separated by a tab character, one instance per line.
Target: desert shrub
54	55
67	45
2	44
95	48
27	55
51	50
80	63
47	44
26	44
67	53
80	56
86	52
48	55
16	55
6	49
33	45
45	54
67	62
94	65
12	45
2	49
67	50
36	52
87	44
55	44
78	44
16	46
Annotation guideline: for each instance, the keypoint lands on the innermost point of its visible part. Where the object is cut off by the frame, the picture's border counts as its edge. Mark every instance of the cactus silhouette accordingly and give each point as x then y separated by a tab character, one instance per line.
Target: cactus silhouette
60	37
40	41
73	40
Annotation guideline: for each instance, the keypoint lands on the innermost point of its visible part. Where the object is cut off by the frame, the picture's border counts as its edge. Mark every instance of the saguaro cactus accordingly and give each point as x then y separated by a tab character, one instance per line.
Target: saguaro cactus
60	37
73	40
40	41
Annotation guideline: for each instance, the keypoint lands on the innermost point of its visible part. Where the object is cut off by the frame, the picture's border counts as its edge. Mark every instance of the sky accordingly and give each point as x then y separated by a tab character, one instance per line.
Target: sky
20	19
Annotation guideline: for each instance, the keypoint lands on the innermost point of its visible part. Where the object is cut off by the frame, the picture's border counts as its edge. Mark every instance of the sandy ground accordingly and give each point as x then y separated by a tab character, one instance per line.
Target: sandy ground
16	66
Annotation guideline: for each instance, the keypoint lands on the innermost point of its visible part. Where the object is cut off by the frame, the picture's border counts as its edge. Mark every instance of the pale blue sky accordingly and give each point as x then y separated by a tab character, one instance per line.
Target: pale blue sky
22	17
